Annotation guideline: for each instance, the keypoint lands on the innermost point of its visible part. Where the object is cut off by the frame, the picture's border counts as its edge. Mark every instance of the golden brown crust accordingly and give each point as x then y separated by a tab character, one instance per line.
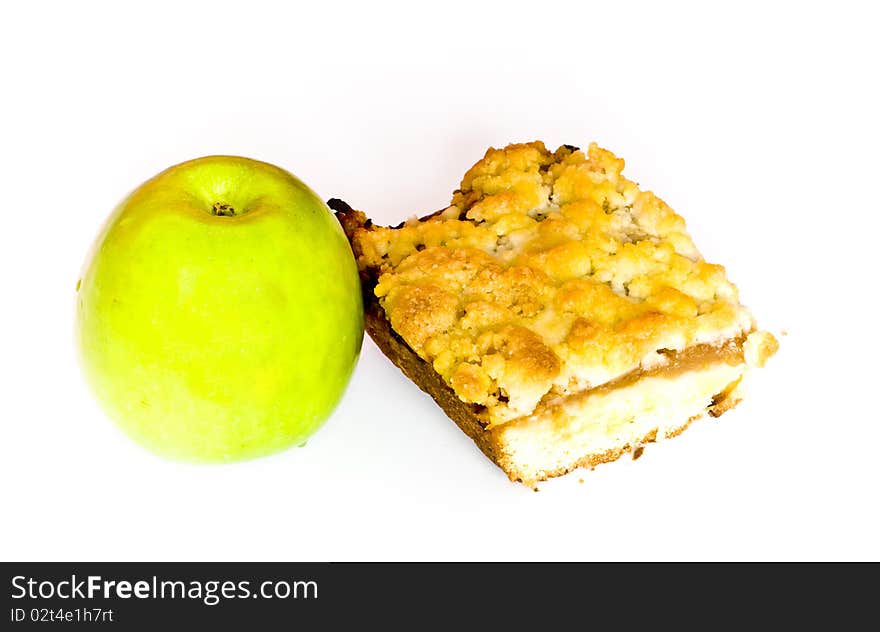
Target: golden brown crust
550	273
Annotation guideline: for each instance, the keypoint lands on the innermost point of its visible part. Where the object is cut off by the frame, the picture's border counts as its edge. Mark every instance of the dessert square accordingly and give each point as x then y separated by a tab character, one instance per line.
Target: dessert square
557	313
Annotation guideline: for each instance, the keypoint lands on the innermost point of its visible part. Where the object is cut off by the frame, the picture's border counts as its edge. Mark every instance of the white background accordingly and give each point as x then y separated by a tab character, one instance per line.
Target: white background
758	123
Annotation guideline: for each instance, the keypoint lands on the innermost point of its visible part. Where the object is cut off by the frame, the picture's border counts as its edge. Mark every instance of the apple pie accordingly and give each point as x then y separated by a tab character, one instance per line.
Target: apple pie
561	316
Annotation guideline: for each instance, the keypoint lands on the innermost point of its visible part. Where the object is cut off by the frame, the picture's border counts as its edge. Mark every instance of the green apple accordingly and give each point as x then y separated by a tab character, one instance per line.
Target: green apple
219	313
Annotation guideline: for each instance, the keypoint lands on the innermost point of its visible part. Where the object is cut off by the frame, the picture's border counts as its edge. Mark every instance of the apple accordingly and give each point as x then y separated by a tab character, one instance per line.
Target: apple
219	313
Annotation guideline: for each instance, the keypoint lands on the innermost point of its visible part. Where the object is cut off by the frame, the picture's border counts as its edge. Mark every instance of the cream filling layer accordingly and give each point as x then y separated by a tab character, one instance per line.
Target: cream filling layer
607	420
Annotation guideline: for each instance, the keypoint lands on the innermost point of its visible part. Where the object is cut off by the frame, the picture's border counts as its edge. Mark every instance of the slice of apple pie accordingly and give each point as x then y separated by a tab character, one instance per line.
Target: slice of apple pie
559	315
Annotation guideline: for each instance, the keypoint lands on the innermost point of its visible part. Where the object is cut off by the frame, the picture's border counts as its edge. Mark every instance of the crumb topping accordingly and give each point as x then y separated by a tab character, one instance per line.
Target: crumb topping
549	273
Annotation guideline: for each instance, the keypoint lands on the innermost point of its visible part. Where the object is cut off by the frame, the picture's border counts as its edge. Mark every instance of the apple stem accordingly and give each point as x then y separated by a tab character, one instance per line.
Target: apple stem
223	210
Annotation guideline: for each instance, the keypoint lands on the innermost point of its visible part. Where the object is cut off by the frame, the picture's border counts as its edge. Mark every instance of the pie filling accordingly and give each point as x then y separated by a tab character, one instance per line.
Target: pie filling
671	365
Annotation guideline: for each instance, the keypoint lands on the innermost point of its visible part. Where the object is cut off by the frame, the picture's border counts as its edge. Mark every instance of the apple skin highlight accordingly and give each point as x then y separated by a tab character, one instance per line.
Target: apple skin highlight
219	313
